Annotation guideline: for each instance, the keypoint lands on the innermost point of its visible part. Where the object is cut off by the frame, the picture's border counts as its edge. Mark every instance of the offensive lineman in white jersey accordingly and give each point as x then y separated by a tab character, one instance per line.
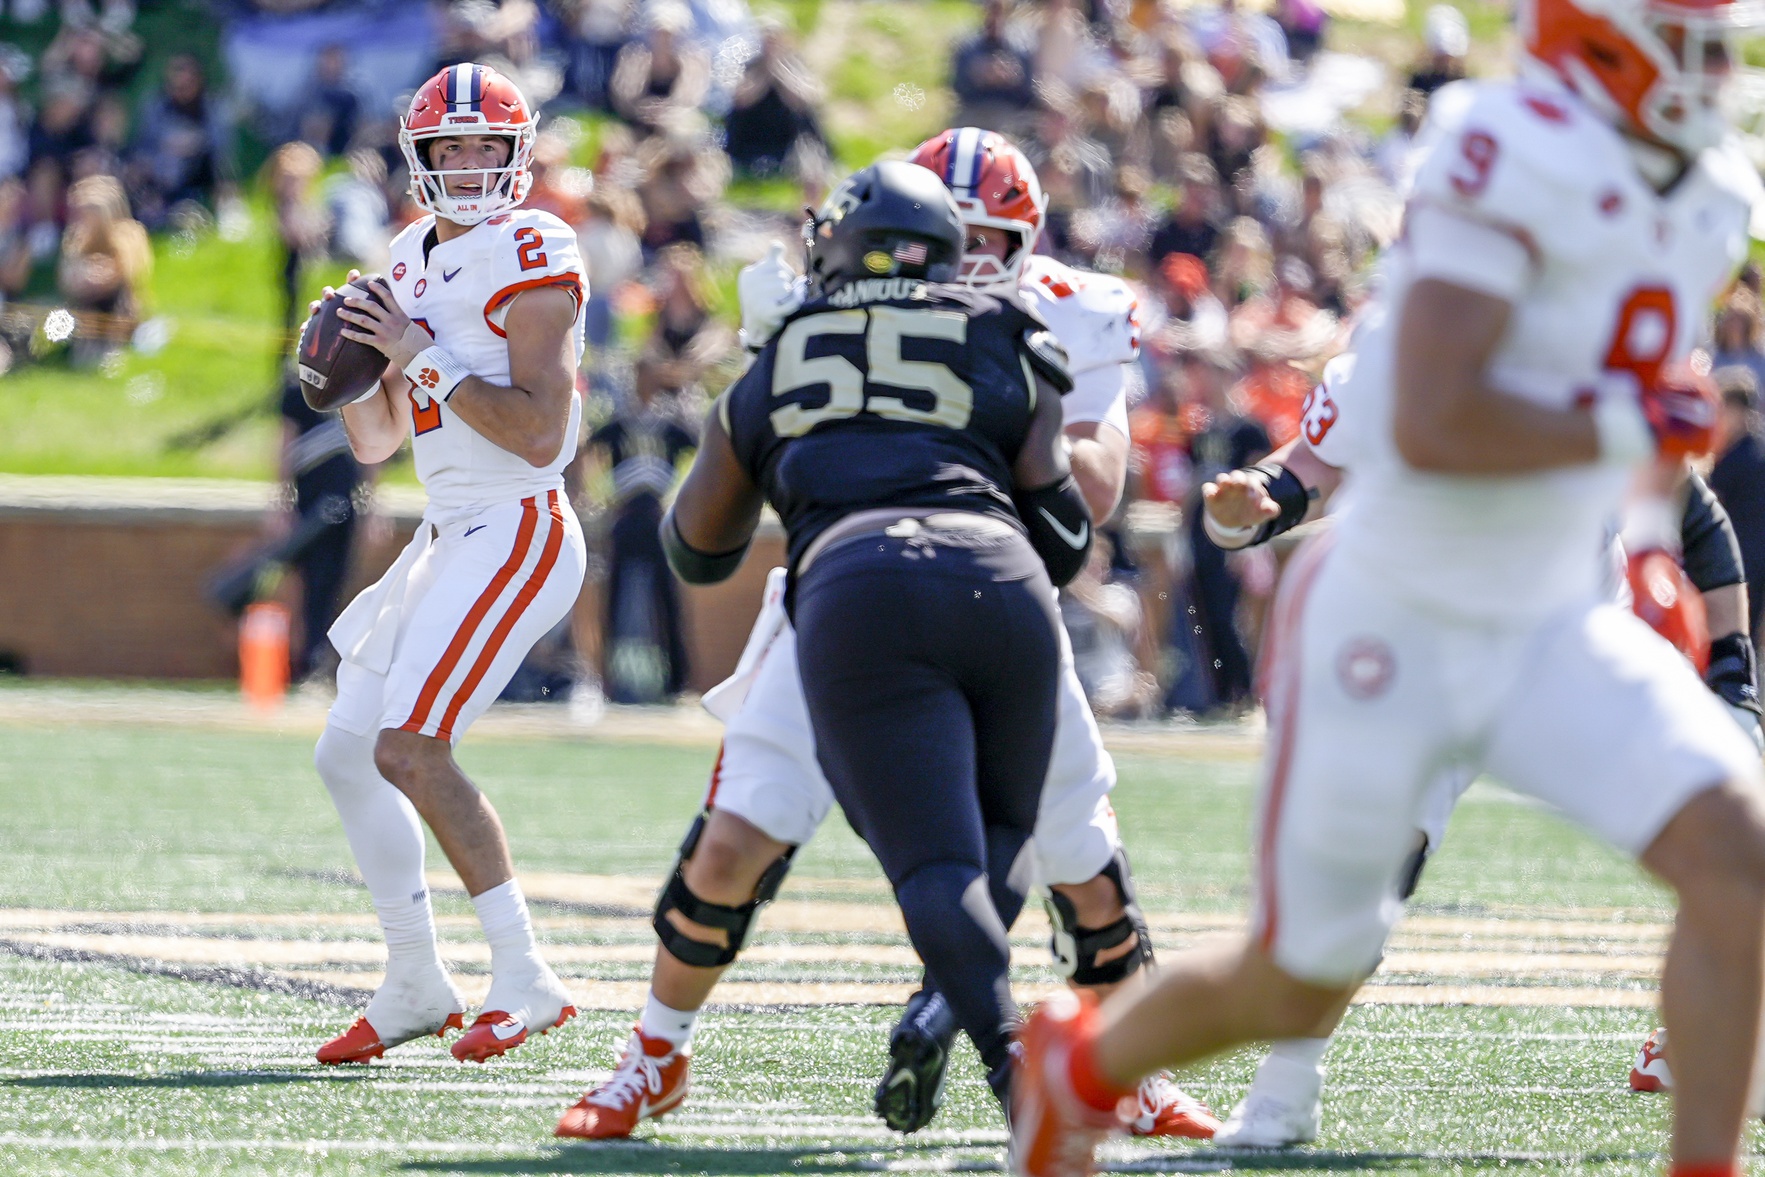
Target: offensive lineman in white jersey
767	793
1566	236
482	332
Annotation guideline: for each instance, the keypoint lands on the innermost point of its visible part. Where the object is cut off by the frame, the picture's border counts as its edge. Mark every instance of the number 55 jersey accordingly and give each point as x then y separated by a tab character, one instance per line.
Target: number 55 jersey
459	291
1523	193
890	392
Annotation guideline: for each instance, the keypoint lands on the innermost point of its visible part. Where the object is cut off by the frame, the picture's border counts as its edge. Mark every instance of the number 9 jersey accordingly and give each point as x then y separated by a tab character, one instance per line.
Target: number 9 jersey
459	291
1524	194
891	392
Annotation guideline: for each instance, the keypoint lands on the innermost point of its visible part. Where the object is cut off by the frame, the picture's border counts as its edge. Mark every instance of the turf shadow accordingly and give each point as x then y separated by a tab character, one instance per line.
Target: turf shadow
190	1079
641	1156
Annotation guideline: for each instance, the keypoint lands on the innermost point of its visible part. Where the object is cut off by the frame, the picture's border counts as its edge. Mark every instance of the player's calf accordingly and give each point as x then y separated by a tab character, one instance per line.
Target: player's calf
1712	852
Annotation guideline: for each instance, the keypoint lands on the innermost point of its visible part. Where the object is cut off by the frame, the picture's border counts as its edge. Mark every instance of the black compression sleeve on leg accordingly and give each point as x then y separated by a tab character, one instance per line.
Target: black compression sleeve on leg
1059	524
692	565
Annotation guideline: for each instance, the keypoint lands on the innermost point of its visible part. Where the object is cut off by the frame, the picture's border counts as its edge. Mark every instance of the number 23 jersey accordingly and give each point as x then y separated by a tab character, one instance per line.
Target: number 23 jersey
460	291
890	392
1524	194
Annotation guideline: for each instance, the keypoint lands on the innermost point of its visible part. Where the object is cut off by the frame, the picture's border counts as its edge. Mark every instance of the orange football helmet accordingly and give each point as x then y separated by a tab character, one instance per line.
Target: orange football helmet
1659	68
996	188
1662	595
469	99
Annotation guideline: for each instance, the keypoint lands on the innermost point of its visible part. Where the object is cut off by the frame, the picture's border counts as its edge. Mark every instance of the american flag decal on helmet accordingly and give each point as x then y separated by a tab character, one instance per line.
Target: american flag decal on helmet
465	88
911	253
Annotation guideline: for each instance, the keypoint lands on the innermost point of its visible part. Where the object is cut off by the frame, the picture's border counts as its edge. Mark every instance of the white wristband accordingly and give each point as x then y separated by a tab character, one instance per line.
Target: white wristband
1229	538
368	395
1624	433
435	374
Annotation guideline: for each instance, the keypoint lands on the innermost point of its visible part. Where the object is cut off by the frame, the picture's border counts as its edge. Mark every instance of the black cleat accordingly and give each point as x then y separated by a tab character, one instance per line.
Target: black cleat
919	1051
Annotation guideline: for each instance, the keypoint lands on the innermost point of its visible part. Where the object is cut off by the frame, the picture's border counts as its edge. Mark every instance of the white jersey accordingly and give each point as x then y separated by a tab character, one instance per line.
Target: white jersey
1096	319
459	291
1608	280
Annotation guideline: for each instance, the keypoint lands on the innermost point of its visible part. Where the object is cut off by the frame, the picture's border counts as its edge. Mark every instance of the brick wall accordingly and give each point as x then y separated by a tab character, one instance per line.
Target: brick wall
106	579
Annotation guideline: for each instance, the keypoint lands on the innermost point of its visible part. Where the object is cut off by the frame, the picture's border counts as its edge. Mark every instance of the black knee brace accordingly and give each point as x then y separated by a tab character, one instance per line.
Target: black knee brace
733	921
1075	948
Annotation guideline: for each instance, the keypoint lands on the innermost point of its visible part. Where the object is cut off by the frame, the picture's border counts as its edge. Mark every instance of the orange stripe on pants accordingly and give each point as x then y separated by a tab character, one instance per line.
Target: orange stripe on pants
462	638
554	542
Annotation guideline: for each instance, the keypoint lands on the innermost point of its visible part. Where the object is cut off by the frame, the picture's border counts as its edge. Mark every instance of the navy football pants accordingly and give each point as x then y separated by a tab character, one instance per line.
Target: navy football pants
930	673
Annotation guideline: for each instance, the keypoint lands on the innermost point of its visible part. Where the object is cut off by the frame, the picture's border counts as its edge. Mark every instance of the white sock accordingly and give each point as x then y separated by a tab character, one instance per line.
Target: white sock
1303	1052
502	911
671	1025
386	837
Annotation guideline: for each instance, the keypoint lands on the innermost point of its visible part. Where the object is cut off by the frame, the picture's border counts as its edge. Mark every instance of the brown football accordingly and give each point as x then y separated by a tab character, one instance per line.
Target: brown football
335	370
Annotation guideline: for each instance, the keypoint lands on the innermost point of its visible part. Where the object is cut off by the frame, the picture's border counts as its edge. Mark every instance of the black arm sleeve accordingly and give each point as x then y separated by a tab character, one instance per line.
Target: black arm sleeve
1059	524
692	565
1289	493
1712	552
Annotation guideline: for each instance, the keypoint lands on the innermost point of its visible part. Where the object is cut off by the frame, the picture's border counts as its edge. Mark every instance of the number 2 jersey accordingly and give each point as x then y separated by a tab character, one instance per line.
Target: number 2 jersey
1524	194
890	392
459	291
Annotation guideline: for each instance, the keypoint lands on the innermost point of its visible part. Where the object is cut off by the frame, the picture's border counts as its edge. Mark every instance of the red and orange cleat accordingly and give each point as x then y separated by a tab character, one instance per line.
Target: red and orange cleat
650	1082
1054	1132
1649	1072
361	1042
1161	1108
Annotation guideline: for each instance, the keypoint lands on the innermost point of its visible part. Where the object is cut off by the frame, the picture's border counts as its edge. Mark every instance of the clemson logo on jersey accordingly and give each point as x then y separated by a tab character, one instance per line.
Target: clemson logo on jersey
1365	667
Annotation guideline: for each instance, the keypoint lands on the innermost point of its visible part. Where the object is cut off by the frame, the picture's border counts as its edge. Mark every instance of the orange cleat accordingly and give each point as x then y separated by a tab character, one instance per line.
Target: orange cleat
1161	1108
1649	1073
361	1042
495	1033
1055	1133
651	1082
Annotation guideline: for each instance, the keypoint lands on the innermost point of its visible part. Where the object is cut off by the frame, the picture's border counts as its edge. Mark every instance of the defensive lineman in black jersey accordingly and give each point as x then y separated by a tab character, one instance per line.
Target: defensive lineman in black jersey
907	432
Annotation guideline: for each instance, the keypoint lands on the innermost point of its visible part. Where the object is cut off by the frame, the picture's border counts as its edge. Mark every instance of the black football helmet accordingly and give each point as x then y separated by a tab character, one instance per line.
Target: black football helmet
889	220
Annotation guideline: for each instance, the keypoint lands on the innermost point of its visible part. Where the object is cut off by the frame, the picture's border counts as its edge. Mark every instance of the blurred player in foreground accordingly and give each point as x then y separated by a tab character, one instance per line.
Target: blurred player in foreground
482	331
1566	236
927	504
1251	506
768	795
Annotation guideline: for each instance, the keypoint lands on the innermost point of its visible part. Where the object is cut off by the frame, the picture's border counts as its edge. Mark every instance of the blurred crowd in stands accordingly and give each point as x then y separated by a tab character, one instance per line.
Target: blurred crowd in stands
1197	149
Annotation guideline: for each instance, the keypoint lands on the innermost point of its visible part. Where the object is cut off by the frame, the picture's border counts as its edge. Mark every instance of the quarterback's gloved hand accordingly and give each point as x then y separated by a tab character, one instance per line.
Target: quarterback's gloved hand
1681	411
769	291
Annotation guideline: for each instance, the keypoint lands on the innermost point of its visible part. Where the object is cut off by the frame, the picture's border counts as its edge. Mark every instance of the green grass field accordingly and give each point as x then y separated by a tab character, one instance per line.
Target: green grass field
181	928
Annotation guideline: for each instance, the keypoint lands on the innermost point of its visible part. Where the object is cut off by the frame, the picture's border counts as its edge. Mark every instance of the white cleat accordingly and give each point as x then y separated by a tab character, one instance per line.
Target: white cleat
1284	1107
409	1004
537	1004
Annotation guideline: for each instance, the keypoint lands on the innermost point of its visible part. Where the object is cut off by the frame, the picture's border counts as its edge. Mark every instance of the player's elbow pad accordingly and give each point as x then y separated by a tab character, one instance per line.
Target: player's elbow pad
692	565
1059	524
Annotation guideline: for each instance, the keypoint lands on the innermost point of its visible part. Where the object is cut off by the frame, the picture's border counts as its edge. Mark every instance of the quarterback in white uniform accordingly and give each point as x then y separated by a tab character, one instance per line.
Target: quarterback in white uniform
767	794
1565	239
483	332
